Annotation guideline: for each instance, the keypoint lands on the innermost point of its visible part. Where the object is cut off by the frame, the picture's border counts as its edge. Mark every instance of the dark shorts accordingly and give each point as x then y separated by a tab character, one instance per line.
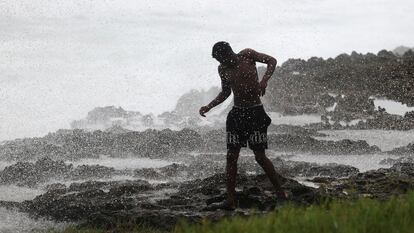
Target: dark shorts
247	125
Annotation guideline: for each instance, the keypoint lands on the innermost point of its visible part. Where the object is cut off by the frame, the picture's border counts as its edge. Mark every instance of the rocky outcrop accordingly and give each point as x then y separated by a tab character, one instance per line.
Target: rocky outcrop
291	143
381	183
105	204
297	140
206	165
31	174
44	170
405	150
77	144
100	205
305	169
391	161
300	84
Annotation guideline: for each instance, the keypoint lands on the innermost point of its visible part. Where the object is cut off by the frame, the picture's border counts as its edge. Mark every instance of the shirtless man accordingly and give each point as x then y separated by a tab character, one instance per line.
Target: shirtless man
247	122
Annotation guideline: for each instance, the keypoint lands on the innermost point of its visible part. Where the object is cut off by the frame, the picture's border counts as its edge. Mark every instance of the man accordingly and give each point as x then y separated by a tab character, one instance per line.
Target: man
247	122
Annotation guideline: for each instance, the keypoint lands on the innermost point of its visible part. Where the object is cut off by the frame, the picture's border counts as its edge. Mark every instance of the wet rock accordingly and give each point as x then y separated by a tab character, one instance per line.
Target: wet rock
55	186
172	170
391	161
305	169
78	144
101	204
31	174
168	172
148	173
288	143
10	205
406	168
381	183
82	199
322	180
46	169
405	150
129	188
91	172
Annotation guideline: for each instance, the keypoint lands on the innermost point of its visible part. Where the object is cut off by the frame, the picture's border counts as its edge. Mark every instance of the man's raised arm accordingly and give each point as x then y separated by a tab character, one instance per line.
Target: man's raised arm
263	58
221	97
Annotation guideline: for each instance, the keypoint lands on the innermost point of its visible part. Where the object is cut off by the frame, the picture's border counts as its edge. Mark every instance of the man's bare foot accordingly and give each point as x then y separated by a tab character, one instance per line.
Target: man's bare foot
282	195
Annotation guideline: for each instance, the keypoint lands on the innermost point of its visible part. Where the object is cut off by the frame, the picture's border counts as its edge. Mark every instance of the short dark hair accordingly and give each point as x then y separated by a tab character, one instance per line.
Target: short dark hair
221	48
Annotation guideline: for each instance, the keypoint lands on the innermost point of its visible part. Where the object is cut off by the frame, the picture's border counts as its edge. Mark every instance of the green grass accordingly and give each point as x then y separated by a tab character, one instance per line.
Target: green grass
119	229
363	215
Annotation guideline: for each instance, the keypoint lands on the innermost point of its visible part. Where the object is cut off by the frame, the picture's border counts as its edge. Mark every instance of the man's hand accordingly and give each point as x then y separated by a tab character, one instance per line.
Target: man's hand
262	86
203	110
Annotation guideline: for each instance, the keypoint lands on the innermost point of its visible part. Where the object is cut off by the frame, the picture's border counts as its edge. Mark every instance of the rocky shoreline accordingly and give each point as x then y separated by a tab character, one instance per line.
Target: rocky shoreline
79	144
104	204
93	195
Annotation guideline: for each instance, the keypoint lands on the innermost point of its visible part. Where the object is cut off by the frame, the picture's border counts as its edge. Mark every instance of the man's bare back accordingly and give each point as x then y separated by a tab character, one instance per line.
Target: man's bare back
238	73
242	79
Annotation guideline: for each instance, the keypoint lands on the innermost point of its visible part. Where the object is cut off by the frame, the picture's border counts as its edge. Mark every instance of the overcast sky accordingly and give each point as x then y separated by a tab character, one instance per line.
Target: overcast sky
61	58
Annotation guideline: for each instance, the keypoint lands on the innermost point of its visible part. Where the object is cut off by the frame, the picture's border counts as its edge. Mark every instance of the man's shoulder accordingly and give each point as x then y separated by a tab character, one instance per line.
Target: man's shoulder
247	52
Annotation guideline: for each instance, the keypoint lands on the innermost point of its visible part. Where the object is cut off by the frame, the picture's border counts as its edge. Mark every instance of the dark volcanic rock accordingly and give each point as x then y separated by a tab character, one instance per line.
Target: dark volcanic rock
168	172
31	174
284	142
381	183
405	150
82	199
390	161
302	83
46	169
92	171
77	144
327	170
295	140
210	165
101	204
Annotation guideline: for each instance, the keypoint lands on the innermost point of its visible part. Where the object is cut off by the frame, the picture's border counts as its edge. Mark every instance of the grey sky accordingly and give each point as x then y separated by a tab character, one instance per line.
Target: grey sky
61	58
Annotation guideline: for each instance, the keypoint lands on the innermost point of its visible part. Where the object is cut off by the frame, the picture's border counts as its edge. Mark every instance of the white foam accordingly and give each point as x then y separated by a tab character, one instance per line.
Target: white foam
279	119
12	221
16	193
393	107
385	139
362	162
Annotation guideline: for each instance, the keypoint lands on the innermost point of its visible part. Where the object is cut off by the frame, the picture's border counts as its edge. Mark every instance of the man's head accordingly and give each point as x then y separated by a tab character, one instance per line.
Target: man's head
223	53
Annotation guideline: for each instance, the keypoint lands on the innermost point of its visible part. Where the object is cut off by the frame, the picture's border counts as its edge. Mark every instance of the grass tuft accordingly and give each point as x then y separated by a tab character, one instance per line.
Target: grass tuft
364	215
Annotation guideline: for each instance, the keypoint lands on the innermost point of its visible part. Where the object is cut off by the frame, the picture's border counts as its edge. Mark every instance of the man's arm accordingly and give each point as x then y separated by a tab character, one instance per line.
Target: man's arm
221	97
263	58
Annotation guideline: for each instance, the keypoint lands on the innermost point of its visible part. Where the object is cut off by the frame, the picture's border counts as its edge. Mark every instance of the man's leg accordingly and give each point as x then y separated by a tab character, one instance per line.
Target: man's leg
231	174
269	169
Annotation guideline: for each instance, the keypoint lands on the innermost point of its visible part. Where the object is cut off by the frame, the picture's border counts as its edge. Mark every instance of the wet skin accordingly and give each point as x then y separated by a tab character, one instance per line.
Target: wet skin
242	79
238	73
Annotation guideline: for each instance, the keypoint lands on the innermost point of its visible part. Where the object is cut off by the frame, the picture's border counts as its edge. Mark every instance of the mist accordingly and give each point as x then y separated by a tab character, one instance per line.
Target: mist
60	59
